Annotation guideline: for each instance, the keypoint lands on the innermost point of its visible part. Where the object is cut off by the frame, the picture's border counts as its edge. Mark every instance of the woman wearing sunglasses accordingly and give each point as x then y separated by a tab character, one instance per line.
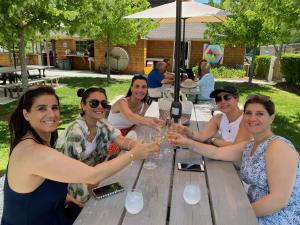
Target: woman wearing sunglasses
89	137
227	125
37	175
270	164
130	110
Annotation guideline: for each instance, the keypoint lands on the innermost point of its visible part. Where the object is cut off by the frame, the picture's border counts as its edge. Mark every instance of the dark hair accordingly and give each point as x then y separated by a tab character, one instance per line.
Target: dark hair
137	77
85	93
265	101
19	126
199	67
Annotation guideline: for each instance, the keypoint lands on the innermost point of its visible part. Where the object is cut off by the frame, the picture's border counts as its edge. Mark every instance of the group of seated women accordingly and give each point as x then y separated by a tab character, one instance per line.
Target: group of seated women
42	185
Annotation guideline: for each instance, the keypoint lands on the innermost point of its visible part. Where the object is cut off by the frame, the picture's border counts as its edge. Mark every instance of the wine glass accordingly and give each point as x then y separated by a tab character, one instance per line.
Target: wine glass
151	162
134	201
192	194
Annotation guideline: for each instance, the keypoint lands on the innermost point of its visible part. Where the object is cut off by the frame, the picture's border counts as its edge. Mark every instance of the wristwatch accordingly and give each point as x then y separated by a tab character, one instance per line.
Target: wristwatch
210	141
213	139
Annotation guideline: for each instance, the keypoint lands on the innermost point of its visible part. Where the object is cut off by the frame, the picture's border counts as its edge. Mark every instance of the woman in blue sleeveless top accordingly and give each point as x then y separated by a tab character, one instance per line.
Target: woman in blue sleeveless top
270	164
37	175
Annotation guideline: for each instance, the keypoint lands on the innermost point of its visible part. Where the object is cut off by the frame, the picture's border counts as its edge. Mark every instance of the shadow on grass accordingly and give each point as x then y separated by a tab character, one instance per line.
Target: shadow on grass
285	128
2	172
89	82
246	88
295	89
68	114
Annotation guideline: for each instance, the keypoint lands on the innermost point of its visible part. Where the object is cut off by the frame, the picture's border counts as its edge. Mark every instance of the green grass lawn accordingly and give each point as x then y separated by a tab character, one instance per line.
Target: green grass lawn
287	122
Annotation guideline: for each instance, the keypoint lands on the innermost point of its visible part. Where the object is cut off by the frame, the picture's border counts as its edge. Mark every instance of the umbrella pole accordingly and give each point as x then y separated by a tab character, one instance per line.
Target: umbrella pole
183	40
176	105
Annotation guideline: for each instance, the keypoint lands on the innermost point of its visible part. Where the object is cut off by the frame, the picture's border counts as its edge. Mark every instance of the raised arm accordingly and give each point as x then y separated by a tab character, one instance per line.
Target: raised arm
134	117
208	131
39	160
281	171
227	153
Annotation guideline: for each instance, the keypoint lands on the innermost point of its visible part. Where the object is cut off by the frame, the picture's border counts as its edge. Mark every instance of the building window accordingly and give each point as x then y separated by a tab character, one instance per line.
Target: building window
81	46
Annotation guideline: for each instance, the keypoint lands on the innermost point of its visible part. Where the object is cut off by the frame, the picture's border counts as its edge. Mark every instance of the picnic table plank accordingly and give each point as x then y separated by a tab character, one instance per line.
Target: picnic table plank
181	212
156	197
98	212
230	204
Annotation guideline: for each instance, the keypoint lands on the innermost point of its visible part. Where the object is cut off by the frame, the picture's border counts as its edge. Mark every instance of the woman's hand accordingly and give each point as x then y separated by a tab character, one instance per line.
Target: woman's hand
141	151
178	139
70	198
154	123
178	128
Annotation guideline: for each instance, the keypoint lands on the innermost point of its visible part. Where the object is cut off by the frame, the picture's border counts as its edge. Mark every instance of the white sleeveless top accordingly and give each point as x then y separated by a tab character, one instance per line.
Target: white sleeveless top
228	131
120	121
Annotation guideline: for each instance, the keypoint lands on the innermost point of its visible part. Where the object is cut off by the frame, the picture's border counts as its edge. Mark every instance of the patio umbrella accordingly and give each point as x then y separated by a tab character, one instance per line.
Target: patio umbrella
187	11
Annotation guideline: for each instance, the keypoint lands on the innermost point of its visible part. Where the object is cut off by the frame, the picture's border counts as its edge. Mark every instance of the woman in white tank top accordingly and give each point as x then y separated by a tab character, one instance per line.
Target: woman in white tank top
228	125
130	110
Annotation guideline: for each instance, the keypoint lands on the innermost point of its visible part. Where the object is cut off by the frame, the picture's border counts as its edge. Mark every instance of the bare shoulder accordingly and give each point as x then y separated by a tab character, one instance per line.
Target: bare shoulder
216	119
279	148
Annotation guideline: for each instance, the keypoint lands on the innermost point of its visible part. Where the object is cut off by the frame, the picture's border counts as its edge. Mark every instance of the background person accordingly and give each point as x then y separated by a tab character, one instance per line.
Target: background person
200	73
130	110
37	175
228	124
206	82
88	138
270	164
91	53
156	77
168	74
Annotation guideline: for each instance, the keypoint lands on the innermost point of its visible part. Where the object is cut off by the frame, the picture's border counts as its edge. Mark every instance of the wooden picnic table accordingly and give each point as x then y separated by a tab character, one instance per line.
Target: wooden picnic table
223	197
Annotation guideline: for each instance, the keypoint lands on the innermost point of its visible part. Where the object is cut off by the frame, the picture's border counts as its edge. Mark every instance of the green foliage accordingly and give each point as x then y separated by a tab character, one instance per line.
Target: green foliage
262	66
290	67
104	20
223	72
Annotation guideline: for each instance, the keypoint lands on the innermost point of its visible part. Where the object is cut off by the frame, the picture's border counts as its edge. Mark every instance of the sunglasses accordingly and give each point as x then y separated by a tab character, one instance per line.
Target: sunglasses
259	97
226	97
94	103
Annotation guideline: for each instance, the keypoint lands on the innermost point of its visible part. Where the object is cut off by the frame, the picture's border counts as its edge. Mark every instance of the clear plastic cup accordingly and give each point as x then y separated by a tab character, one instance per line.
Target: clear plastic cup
134	202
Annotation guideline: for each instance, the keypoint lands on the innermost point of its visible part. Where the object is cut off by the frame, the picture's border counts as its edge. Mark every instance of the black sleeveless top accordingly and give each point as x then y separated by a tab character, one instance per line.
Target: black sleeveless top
43	206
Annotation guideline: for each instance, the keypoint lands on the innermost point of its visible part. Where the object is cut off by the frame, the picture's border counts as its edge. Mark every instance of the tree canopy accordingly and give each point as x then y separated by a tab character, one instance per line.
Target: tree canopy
104	20
255	23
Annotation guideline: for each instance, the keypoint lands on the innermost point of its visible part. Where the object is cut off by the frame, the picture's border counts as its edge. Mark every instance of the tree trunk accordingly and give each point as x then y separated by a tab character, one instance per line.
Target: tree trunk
14	56
279	51
251	72
22	56
108	59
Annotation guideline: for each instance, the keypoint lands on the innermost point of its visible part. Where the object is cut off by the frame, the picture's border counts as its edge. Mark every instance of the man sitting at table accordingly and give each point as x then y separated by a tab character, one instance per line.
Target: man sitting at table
156	77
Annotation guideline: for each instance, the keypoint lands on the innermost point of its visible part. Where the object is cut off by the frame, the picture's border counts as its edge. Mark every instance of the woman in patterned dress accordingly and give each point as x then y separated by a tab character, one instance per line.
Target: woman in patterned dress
88	139
270	164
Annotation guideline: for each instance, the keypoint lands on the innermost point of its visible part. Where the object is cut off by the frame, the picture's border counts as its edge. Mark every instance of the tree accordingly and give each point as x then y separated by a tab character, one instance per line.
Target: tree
282	17
104	20
244	27
24	19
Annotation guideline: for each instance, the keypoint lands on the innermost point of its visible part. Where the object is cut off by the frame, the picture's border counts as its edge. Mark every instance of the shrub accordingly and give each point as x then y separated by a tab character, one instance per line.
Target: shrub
223	72
262	66
290	68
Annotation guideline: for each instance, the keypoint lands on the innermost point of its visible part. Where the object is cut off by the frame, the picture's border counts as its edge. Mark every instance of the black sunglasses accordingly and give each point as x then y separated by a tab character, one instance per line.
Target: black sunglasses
94	103
226	97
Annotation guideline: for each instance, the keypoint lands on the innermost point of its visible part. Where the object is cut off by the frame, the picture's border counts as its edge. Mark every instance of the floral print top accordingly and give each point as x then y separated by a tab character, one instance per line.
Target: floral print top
253	172
73	143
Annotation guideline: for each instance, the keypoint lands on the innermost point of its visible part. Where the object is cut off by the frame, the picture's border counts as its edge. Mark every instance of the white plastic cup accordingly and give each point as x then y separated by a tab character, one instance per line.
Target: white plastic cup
191	194
134	202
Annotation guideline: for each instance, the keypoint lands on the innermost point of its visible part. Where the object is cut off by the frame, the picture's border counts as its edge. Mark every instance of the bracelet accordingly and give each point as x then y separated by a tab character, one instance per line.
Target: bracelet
131	156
